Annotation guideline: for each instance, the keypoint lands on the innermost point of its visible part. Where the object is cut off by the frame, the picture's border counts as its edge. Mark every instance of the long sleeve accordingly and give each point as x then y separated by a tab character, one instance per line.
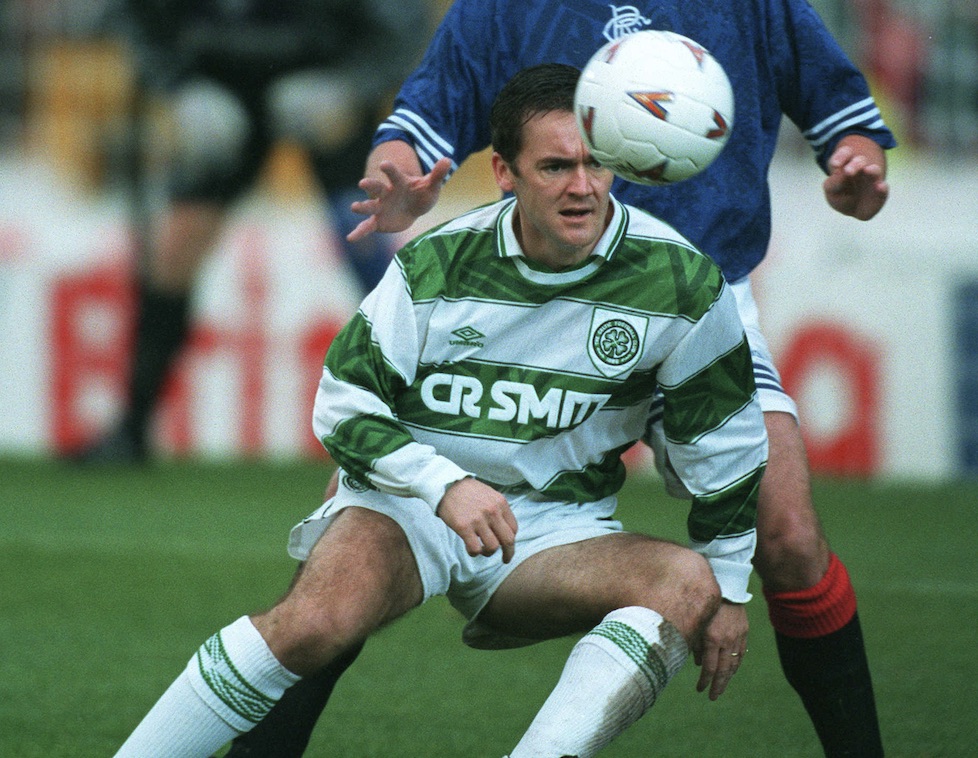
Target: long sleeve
716	440
372	359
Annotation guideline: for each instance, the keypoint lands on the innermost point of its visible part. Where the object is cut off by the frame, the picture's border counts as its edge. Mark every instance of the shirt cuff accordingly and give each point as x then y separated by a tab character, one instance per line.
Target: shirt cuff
436	477
732	576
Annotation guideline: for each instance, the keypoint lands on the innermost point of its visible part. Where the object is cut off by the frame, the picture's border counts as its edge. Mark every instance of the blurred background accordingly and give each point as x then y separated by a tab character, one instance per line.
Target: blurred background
874	325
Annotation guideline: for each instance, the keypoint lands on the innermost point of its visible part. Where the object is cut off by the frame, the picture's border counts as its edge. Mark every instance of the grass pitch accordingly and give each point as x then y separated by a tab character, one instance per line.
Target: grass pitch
110	579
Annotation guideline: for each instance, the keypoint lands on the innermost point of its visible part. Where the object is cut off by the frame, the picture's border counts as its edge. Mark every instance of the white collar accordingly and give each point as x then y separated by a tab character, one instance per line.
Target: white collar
509	246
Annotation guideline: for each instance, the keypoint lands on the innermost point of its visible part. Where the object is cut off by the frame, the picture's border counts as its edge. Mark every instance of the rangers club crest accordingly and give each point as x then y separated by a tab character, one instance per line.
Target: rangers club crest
615	342
625	19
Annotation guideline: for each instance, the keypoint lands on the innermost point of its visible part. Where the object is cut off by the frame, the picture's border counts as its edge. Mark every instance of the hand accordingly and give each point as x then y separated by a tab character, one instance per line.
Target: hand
480	516
722	649
397	199
856	185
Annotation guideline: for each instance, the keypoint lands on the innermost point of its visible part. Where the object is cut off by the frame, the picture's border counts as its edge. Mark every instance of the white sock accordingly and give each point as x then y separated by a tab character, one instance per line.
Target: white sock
228	686
611	678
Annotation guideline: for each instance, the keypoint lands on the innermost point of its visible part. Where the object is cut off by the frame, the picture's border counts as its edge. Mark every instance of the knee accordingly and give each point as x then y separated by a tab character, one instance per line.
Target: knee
791	549
696	581
692	594
305	638
791	553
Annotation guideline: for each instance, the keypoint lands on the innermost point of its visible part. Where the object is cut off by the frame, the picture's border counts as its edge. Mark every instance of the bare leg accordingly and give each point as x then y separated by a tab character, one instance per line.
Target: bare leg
643	600
811	603
162	324
286	730
359	576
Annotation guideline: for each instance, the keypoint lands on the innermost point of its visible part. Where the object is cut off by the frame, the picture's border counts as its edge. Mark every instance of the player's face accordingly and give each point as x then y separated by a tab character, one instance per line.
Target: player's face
562	193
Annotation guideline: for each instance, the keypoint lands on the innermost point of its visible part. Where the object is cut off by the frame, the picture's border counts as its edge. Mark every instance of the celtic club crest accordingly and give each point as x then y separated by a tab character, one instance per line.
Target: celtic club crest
615	342
354	485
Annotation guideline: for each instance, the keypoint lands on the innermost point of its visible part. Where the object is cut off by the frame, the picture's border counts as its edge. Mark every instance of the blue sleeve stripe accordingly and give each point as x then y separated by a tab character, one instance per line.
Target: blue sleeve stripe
424	150
413	118
864	113
428	145
862	121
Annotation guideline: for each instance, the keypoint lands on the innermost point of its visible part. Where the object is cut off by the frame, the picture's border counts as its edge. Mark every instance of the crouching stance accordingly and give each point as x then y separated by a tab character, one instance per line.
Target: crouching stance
478	405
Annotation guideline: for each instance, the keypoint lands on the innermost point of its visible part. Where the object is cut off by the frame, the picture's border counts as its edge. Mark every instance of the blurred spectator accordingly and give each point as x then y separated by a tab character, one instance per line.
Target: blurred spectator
238	77
895	58
890	44
922	59
951	81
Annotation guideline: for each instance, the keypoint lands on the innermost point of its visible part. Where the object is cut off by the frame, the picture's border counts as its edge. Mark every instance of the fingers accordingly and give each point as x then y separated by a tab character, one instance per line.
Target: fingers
481	516
842	154
366	227
708	660
498	531
505	532
854	168
857	188
395	199
398	179
721	648
439	172
718	668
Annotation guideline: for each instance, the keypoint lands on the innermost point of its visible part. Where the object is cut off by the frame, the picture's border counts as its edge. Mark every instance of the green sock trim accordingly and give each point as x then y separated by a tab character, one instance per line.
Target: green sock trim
225	681
646	657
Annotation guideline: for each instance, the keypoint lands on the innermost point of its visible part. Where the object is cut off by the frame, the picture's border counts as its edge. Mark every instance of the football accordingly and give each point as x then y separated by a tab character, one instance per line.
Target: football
654	106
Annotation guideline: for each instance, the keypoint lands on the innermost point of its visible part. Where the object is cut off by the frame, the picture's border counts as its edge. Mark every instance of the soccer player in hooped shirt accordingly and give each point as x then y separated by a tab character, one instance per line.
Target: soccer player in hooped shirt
781	60
478	405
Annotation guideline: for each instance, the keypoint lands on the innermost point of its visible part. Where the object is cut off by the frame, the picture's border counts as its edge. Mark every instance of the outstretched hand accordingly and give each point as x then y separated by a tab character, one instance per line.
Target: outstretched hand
722	648
856	185
481	516
397	199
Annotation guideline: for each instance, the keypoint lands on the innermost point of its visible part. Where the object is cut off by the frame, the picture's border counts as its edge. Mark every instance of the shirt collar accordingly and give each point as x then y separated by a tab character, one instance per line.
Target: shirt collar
509	247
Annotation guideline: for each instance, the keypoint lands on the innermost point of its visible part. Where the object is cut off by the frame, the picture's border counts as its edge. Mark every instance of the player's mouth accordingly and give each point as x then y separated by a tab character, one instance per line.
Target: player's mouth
576	212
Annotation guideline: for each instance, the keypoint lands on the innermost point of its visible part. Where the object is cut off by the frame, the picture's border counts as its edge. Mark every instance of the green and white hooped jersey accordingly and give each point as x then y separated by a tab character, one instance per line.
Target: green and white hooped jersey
468	358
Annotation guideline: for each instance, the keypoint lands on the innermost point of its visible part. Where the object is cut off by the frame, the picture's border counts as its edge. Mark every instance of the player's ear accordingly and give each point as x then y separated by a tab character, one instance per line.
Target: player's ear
503	173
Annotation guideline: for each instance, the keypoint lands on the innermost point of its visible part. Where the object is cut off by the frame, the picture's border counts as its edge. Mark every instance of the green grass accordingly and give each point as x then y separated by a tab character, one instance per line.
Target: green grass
109	580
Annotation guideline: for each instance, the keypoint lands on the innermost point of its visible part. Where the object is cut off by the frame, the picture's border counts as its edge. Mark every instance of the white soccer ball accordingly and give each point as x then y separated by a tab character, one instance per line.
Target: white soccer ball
654	106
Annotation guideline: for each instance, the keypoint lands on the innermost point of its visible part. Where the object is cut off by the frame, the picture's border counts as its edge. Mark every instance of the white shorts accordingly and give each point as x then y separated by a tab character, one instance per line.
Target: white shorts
770	393
445	567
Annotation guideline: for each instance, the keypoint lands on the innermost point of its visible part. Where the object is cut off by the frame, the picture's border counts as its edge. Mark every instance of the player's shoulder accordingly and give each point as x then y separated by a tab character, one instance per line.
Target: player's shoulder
428	258
460	231
673	266
644	225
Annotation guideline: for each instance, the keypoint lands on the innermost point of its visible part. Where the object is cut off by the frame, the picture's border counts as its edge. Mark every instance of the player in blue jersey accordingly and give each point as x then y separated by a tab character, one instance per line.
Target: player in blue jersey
482	462
781	61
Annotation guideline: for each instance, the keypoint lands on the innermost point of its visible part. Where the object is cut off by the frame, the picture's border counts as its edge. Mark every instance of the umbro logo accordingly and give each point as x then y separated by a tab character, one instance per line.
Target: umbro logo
468	337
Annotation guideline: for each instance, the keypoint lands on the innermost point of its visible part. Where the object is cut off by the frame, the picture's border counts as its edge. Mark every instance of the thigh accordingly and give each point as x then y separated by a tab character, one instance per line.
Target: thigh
360	575
435	548
570	588
363	555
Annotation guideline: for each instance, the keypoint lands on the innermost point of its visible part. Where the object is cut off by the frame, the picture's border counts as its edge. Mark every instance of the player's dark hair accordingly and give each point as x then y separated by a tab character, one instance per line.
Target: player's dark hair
532	92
